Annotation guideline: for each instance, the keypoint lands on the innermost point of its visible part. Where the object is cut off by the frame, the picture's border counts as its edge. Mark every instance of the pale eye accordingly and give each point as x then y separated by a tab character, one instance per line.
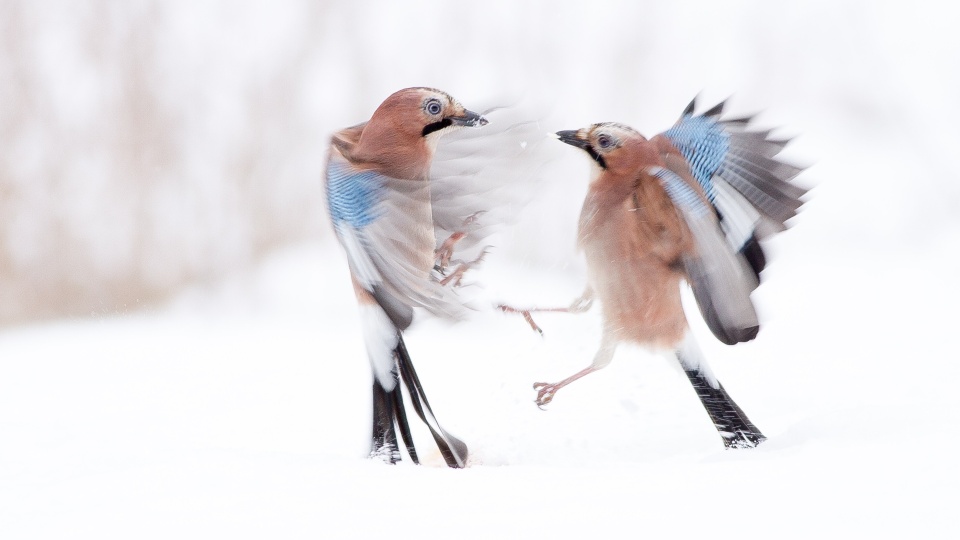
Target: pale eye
433	107
604	141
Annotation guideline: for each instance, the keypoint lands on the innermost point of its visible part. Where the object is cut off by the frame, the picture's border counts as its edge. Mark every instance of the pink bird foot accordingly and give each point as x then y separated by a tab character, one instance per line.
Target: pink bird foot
545	393
444	253
455	277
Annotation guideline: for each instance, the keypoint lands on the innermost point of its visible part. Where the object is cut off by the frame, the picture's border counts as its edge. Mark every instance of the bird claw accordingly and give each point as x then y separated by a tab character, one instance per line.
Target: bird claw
444	253
545	393
473	218
526	316
456	276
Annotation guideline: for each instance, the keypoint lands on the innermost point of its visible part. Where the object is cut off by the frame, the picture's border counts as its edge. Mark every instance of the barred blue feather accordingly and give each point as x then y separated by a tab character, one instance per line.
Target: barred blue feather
704	144
681	193
353	196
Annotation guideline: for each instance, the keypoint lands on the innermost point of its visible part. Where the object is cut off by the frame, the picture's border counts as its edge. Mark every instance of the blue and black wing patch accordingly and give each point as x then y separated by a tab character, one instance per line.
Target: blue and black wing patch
747	195
354	199
353	196
704	145
737	168
726	151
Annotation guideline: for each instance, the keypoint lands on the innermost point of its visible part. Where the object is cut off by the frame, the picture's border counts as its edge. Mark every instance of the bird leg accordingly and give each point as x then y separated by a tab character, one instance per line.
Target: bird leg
580	305
462	266
546	391
526	315
444	253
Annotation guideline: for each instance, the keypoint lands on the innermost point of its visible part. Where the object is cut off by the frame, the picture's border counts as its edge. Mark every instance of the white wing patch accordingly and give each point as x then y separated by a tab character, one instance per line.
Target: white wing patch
739	217
360	264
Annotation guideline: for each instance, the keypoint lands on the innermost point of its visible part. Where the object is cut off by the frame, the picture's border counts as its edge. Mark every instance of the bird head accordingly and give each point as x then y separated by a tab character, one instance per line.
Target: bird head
424	113
401	136
608	144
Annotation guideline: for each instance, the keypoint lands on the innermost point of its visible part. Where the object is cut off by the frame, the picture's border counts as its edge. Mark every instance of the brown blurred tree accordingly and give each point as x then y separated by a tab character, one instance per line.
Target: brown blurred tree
146	145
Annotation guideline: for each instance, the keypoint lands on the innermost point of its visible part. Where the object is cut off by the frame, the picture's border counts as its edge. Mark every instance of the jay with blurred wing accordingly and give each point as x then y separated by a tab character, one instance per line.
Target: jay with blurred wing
689	204
378	186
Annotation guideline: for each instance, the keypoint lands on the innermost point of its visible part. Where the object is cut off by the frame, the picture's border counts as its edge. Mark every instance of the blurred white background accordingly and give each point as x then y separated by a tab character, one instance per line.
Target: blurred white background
147	144
160	189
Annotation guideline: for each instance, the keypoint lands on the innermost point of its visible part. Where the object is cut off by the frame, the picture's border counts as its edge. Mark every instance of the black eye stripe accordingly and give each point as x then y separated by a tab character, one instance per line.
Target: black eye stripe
593	153
436	126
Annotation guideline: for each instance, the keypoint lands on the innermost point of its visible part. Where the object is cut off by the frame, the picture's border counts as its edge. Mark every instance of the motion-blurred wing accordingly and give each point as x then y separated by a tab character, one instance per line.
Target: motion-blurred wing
721	280
731	191
482	178
738	172
385	227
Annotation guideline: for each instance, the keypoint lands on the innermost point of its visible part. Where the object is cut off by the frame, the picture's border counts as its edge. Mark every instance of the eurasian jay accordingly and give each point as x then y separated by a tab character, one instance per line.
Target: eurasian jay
390	223
690	204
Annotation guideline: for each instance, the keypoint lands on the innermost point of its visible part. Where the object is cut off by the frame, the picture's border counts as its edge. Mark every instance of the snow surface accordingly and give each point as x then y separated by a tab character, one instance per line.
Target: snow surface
240	410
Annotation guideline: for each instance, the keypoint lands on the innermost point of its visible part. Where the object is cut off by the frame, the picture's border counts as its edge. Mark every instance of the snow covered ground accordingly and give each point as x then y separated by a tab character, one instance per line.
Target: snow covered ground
240	411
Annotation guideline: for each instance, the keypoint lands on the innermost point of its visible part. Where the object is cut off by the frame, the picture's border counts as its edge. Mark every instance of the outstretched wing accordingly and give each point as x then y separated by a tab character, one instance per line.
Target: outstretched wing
385	225
743	193
740	175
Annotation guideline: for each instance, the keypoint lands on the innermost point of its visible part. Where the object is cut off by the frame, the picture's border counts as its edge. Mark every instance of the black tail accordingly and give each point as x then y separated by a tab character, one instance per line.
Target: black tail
454	451
389	411
736	429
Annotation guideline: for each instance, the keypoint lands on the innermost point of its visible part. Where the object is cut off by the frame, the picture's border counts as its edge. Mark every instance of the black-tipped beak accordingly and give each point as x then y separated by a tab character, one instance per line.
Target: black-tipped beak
469	119
570	137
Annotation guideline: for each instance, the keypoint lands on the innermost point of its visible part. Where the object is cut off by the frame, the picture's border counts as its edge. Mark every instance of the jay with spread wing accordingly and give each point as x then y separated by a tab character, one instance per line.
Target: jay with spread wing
690	204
